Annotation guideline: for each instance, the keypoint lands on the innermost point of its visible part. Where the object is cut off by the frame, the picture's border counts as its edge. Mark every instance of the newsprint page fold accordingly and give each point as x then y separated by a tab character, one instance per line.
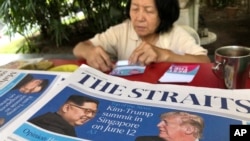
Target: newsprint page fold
126	110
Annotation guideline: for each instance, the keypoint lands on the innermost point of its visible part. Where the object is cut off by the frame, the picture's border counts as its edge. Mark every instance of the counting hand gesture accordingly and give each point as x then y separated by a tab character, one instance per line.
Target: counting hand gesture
147	53
99	59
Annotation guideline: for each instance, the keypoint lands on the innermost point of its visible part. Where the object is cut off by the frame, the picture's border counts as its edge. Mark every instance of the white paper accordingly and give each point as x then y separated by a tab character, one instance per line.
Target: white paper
180	73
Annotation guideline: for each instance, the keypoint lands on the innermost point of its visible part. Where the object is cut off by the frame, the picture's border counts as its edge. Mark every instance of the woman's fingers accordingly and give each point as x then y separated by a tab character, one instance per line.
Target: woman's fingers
100	60
134	57
144	54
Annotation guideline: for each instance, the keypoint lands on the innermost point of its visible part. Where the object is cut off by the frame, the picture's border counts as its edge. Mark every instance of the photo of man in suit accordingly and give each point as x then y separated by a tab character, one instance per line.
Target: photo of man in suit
177	126
76	111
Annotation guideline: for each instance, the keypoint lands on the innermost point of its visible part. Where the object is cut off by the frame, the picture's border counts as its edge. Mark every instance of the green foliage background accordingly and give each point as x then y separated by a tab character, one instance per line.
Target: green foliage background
49	18
224	3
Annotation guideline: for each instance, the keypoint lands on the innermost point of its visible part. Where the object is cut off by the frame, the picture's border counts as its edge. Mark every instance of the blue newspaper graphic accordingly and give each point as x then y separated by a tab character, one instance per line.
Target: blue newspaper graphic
20	91
117	120
116	109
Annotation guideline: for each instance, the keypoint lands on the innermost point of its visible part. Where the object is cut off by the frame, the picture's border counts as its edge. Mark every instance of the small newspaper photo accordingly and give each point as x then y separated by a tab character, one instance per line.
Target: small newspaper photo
93	106
19	90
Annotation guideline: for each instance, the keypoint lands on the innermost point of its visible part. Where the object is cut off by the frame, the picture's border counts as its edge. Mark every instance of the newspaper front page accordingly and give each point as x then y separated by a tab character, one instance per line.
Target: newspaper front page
21	89
128	109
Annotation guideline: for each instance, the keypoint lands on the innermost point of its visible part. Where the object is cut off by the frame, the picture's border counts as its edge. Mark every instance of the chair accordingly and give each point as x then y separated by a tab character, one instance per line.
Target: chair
193	33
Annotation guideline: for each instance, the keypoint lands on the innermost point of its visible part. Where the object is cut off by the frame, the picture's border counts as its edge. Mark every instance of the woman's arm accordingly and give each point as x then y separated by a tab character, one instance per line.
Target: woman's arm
95	56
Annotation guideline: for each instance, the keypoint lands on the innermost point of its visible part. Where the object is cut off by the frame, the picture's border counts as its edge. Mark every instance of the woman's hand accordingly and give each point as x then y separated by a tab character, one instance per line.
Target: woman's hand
147	53
95	57
99	59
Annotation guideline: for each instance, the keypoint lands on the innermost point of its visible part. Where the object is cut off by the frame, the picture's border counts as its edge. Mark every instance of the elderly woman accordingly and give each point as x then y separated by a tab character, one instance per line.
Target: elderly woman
148	36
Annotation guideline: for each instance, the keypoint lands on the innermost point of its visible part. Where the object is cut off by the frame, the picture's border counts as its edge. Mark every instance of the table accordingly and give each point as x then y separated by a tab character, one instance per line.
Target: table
204	78
5	58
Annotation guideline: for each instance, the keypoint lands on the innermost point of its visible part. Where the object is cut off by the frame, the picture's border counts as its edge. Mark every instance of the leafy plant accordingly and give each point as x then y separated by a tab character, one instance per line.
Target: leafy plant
224	3
100	14
231	2
47	17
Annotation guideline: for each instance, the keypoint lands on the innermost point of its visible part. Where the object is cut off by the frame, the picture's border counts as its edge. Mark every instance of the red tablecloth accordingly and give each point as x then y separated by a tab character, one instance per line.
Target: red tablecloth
204	78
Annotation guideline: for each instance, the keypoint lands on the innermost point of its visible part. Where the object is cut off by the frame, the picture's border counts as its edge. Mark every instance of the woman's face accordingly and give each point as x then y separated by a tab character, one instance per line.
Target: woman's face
144	17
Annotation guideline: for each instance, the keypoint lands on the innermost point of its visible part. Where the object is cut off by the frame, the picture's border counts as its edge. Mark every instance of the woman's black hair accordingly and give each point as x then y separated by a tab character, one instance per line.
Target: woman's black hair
168	11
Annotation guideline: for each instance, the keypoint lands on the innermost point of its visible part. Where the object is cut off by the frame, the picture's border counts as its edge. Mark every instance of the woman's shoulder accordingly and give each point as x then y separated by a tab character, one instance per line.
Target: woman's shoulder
181	30
178	28
124	28
123	25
